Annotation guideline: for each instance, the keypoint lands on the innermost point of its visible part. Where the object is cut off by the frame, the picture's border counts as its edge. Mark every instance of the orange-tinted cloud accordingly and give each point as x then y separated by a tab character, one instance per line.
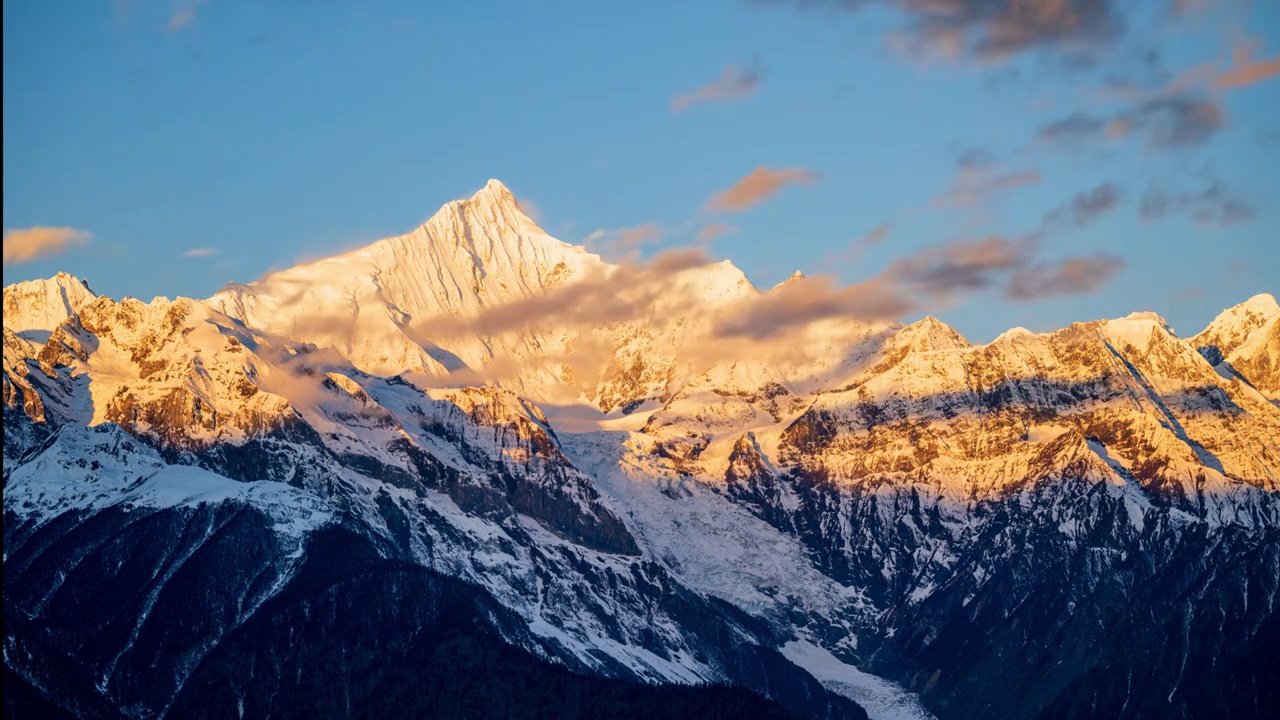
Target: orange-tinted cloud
184	14
734	84
1244	70
714	230
757	187
621	295
632	238
531	211
623	241
29	244
991	31
805	300
976	183
931	276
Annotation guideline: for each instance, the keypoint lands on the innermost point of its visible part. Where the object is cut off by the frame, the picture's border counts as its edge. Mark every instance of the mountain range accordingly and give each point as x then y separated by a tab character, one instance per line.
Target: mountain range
473	468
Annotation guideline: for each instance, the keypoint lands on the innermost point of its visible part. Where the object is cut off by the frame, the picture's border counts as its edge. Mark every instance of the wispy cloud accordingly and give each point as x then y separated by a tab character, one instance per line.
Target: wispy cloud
183	15
1167	112
1190	294
876	236
1177	121
1073	128
621	295
712	231
1185	7
733	84
762	184
990	31
963	266
27	244
1214	206
978	179
1167	121
1088	206
532	211
1245	70
200	252
1072	276
935	275
622	242
806	300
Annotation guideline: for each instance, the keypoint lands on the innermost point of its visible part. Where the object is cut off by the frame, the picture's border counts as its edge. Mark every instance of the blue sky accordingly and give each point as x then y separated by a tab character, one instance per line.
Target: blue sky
272	132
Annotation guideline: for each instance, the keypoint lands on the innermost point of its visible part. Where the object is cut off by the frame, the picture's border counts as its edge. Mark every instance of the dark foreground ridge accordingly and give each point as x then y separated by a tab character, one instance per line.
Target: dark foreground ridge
352	634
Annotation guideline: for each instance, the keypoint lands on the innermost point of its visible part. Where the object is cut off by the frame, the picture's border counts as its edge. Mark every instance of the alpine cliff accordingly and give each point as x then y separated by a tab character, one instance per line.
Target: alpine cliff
474	464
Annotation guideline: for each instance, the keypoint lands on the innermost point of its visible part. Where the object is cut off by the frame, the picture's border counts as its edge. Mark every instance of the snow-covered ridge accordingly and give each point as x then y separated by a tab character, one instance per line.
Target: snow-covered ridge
40	306
1234	325
368	303
828	490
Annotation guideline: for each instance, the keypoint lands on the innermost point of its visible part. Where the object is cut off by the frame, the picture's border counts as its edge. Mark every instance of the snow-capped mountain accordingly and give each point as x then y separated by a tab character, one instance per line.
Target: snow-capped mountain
1244	341
874	517
40	306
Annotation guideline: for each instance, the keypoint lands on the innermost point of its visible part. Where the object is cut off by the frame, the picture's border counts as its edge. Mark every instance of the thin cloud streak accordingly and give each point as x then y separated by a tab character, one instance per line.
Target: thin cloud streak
531	211
616	295
714	230
184	15
1215	206
1167	121
977	181
1244	70
623	242
989	31
876	236
803	301
735	83
1072	276
200	252
932	276
1086	207
762	184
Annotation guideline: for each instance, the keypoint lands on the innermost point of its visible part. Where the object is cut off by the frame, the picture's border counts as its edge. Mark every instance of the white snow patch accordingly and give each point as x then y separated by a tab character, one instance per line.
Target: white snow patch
1045	433
881	698
295	512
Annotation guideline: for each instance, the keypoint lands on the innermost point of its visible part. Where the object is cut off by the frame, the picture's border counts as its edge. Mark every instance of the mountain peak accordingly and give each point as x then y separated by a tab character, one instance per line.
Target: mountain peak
494	191
494	205
929	333
1144	316
494	195
44	304
1262	302
793	278
1234	325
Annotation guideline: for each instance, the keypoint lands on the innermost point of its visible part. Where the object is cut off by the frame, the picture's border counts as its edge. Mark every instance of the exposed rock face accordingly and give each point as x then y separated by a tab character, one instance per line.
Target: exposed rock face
1049	525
